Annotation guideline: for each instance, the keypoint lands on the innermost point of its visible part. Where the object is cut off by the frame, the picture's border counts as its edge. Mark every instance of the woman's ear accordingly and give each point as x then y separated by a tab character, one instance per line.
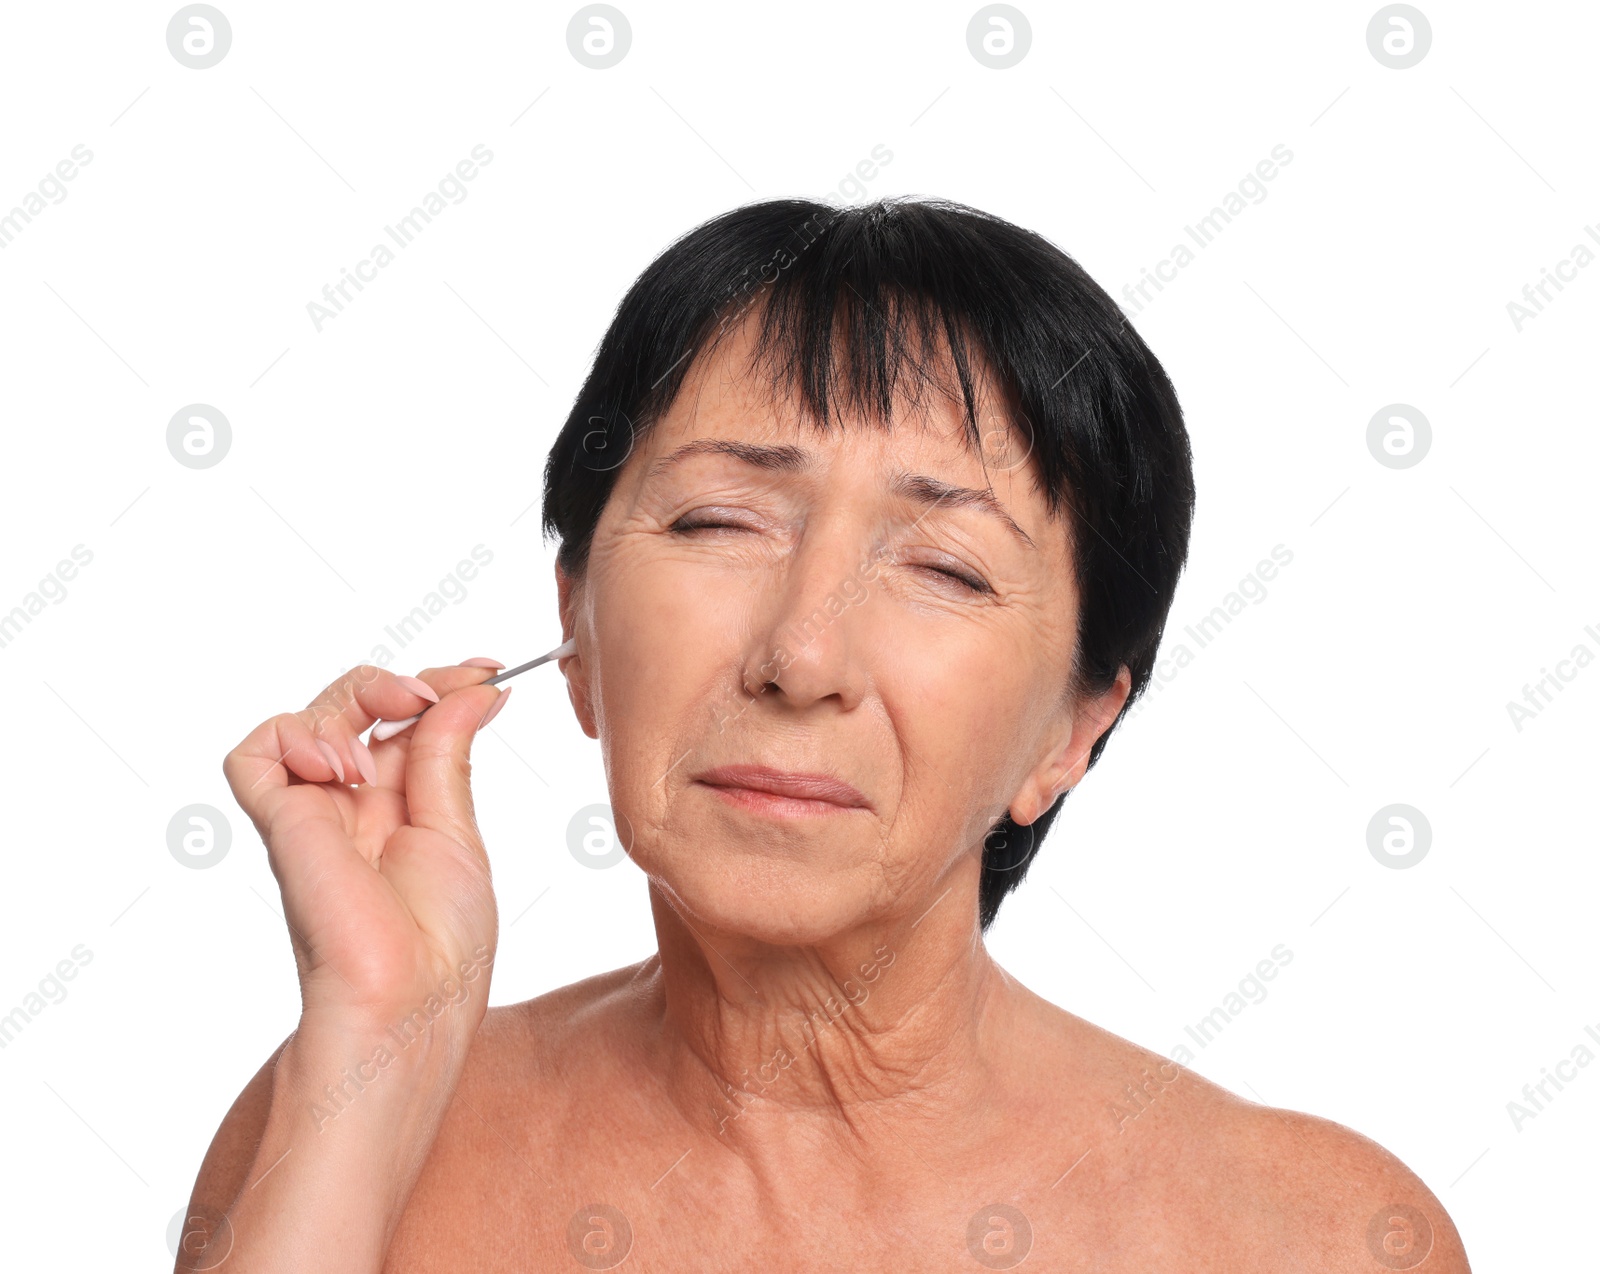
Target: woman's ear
568	602
1065	763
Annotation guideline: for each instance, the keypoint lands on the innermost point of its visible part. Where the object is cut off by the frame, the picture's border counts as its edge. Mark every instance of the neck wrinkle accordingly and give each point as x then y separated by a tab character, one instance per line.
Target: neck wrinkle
860	1049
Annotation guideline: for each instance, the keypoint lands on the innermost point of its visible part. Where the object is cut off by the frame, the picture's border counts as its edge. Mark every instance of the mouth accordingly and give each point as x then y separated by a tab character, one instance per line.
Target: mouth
781	793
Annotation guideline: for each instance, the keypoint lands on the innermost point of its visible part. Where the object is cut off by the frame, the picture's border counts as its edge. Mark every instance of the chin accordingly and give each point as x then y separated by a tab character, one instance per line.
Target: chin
748	890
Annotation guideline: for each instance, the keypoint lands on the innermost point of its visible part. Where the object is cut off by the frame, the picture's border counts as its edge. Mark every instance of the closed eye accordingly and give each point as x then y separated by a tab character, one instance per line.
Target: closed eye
970	582
683	526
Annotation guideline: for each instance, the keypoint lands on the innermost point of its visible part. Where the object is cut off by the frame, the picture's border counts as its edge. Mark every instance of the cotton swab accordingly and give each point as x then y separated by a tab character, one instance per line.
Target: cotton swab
388	729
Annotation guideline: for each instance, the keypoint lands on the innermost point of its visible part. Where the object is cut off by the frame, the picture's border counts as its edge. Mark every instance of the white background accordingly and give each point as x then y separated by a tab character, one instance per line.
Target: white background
367	459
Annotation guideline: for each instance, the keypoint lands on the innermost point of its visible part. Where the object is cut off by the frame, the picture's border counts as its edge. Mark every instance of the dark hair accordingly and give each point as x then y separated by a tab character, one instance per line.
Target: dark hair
843	290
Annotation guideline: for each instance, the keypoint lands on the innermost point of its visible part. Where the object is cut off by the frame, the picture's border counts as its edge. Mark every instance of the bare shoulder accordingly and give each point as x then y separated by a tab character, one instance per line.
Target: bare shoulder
1234	1184
541	1033
521	1125
1334	1199
563	1041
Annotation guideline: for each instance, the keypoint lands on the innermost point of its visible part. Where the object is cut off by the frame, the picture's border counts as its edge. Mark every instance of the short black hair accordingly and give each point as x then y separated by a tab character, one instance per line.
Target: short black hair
842	293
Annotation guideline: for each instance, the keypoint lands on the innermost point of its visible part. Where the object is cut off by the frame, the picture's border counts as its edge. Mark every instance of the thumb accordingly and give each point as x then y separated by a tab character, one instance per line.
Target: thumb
439	765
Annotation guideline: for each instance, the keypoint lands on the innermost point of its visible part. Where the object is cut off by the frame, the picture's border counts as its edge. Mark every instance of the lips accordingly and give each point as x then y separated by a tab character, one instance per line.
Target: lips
792	784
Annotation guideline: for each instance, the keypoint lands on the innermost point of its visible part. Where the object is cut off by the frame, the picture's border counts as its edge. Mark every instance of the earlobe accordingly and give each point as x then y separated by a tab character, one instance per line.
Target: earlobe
1049	800
1047	784
578	692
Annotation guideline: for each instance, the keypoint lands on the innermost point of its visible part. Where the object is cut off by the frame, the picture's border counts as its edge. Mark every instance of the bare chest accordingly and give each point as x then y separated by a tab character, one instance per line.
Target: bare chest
608	1193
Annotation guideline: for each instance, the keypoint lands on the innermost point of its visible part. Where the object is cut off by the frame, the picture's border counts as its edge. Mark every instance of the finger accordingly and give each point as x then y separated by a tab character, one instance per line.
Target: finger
391	754
279	752
455	676
365	694
438	763
314	745
365	764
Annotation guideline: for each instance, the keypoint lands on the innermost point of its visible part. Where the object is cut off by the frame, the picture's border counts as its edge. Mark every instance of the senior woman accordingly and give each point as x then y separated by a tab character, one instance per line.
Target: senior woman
870	520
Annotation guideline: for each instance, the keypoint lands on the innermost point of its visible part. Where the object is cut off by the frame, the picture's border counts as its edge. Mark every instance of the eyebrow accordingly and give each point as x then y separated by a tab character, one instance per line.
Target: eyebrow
784	458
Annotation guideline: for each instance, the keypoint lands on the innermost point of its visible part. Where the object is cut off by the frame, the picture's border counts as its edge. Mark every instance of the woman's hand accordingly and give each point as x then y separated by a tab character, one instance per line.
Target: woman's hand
385	884
387	896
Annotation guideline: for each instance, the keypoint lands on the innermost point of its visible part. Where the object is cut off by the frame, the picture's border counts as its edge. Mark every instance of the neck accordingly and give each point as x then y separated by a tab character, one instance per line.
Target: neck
864	1045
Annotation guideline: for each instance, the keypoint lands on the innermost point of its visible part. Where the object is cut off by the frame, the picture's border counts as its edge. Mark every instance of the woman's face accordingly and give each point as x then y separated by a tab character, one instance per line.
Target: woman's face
911	642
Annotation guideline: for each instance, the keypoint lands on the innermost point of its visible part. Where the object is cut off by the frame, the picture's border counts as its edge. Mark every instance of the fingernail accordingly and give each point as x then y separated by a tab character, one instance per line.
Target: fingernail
364	761
331	757
480	662
419	688
495	707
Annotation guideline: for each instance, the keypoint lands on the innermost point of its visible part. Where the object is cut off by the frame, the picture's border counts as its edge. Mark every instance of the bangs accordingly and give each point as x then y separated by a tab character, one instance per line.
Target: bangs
844	336
855	307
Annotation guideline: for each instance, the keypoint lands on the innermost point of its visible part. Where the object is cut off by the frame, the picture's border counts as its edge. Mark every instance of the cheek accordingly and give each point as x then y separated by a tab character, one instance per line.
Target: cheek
957	704
668	640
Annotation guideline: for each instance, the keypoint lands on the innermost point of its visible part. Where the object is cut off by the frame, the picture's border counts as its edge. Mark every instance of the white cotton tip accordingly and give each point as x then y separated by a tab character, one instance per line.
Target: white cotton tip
388	729
564	649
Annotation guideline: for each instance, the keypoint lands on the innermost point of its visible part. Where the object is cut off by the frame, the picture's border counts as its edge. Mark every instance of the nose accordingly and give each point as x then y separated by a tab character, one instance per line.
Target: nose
809	644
